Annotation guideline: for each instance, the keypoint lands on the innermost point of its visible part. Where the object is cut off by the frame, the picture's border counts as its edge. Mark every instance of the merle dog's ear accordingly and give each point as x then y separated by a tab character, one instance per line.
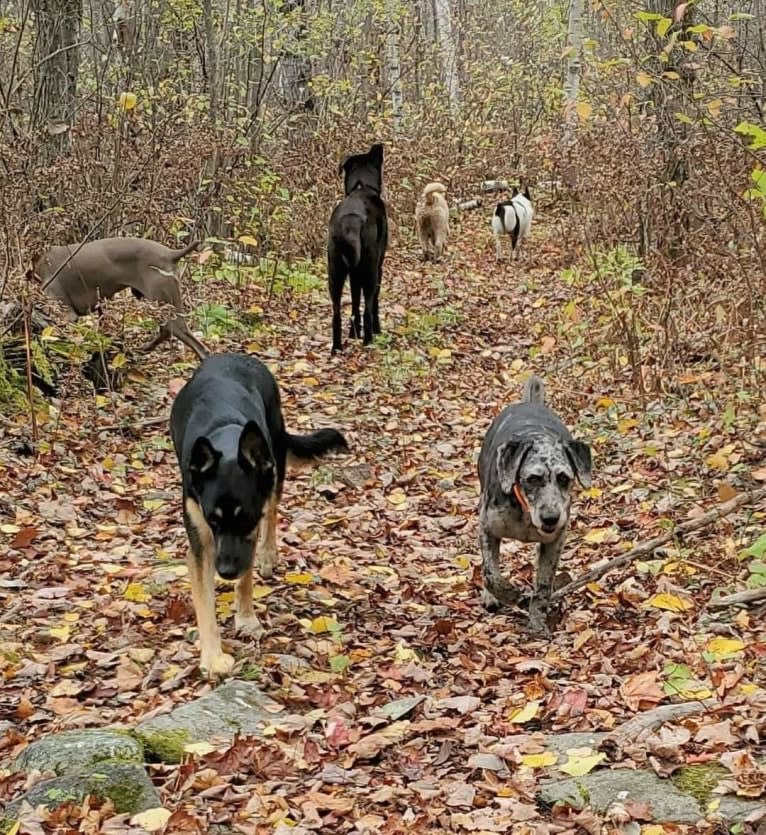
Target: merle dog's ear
204	459
254	449
579	455
508	463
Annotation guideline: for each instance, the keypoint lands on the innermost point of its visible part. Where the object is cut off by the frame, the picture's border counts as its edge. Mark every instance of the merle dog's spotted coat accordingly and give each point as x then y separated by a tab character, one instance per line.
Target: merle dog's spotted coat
527	466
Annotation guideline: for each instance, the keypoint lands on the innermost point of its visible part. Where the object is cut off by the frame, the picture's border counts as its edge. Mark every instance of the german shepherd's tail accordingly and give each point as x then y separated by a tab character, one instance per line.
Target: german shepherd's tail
534	391
303	449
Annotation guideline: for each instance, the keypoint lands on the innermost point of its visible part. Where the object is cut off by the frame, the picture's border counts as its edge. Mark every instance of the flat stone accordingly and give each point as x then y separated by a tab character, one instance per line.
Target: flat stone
236	707
600	789
127	785
561	743
734	809
73	752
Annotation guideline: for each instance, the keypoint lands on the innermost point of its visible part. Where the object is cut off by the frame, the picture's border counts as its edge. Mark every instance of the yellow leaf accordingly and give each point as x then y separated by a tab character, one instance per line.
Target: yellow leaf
101	401
524	714
597	535
669	602
261	591
748	689
722	647
714	108
71	617
653	829
693	695
153	504
397	497
14	829
299	579
119	361
592	493
199	749
127	101
539	760
625	425
137	593
323	624
577	766
152	820
605	403
404	654
663	25
717	461
643	79
247	240
60	632
584	109
10	528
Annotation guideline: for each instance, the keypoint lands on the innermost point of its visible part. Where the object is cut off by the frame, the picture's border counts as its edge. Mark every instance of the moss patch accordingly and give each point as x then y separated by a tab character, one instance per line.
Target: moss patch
698	781
164	746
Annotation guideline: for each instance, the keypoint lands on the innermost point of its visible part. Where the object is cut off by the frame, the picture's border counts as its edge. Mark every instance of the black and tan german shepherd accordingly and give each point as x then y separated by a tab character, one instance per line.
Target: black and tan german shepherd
232	447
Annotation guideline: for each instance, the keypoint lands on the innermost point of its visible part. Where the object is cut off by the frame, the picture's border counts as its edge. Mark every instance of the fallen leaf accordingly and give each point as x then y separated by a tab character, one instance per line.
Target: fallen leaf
578	765
669	602
370	746
524	714
539	760
152	820
642	690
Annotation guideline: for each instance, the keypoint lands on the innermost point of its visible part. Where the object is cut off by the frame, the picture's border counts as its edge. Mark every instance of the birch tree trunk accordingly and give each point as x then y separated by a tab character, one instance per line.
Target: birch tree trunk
574	67
211	59
448	44
295	67
394	69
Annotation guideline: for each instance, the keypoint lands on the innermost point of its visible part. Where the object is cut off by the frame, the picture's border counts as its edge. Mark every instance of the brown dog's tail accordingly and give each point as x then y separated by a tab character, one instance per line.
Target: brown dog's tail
430	190
178	254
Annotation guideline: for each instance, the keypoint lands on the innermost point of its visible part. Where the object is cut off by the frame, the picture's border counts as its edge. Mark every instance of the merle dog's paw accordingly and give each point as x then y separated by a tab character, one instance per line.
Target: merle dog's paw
489	601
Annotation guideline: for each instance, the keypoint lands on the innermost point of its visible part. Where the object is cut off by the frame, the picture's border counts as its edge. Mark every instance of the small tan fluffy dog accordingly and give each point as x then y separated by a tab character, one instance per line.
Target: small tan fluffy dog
432	220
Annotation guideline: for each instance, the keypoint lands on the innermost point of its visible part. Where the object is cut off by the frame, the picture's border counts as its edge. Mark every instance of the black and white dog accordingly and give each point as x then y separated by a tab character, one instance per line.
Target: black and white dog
356	244
232	447
527	467
513	218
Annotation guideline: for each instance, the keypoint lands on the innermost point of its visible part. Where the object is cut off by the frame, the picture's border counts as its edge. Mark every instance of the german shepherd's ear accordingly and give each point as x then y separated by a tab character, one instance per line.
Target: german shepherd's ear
254	449
204	459
376	153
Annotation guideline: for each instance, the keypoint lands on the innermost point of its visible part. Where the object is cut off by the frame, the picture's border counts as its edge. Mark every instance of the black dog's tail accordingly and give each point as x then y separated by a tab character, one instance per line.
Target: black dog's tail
302	449
534	391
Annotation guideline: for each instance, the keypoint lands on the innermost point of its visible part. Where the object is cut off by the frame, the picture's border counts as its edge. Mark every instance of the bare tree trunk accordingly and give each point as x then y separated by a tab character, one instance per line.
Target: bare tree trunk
393	67
295	67
448	43
211	59
574	66
57	59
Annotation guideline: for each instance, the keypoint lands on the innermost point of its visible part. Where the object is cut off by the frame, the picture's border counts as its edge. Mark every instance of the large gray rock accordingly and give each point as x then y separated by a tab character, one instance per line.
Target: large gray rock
127	785
73	752
237	707
600	789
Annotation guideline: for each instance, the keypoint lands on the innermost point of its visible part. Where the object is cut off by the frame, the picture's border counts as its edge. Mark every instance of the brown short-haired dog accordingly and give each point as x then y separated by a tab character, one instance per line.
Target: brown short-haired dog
432	220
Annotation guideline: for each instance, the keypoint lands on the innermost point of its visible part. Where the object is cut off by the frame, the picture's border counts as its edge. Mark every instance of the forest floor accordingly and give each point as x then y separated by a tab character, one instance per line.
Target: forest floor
377	587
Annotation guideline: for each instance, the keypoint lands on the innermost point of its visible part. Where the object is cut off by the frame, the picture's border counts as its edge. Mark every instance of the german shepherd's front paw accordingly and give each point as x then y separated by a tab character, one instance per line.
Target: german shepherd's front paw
248	625
217	665
267	561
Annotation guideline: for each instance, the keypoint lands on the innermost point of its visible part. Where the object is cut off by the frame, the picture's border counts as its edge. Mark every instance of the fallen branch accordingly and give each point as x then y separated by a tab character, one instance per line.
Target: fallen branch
651	719
469	204
748	497
749	596
494	185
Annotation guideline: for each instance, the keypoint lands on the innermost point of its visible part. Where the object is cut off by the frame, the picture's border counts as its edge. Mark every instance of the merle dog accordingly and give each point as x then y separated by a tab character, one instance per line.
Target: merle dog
232	448
356	244
527	466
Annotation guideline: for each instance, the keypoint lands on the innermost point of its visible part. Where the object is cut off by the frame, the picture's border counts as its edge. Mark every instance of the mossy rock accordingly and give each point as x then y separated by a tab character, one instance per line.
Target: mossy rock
164	745
699	780
127	785
75	752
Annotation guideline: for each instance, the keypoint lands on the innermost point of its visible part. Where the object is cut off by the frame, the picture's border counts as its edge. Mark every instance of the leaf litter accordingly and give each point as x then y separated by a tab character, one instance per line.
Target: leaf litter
429	711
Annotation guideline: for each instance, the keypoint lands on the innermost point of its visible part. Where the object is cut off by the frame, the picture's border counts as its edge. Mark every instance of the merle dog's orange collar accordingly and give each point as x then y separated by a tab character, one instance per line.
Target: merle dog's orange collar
520	498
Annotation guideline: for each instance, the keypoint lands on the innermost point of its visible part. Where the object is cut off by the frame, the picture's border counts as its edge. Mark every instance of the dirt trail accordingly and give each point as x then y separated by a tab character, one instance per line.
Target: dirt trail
96	618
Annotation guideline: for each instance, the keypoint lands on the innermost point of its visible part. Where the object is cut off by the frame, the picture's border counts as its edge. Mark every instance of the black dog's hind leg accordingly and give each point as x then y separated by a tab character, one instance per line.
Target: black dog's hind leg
369	307
355	326
336	279
547	563
375	310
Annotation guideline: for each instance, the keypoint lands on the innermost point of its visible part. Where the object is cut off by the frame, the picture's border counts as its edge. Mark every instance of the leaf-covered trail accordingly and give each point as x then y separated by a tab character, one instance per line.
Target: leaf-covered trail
377	587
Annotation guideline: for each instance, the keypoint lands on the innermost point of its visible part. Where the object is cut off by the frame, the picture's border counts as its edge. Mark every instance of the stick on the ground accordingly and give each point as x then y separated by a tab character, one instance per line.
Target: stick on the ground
748	497
749	596
469	204
494	185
